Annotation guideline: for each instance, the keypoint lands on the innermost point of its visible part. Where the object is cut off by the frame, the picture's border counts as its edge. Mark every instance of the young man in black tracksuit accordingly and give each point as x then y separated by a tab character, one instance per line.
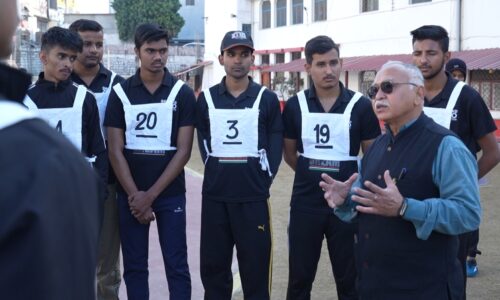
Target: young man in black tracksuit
150	125
240	137
456	106
325	127
69	108
49	204
91	73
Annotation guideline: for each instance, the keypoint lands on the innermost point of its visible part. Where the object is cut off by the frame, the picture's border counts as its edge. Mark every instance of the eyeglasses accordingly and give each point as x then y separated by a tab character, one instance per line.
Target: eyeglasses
386	86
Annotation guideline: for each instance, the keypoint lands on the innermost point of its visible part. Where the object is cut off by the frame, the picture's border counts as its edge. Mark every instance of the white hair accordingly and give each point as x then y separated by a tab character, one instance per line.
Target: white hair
414	74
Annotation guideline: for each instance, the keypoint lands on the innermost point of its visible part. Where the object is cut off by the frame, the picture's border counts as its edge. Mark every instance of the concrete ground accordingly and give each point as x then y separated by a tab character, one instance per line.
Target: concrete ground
486	286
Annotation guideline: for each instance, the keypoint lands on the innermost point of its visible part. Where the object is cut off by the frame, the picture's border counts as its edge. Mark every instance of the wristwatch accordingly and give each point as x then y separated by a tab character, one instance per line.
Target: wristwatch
403	207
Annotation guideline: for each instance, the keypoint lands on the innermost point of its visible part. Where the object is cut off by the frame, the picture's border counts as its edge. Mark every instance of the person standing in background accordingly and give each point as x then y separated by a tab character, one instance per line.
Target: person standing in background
456	106
457	69
71	109
240	138
325	127
150	125
89	71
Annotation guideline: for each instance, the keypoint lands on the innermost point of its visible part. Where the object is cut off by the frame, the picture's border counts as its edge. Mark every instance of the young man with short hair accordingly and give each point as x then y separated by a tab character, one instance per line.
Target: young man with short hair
240	138
325	127
454	105
71	109
89	71
150	125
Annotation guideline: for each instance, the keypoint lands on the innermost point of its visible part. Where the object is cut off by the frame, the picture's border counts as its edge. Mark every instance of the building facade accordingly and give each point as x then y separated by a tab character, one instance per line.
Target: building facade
369	33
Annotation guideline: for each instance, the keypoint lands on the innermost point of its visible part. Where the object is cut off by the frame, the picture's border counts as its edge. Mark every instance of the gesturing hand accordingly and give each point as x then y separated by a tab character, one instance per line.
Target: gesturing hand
379	201
336	191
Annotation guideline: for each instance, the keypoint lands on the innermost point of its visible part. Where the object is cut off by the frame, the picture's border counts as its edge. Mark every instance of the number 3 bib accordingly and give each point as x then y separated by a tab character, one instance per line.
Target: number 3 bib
149	126
325	136
234	132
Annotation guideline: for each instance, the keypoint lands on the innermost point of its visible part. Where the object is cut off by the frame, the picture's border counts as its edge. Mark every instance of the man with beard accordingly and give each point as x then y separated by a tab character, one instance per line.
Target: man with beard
71	109
91	73
150	125
454	105
415	192
240	138
49	204
325	127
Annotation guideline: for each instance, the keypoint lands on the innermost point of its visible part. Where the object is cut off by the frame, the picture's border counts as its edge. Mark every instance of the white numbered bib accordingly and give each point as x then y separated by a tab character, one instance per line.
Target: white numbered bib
234	132
325	136
12	113
66	120
442	116
102	102
149	126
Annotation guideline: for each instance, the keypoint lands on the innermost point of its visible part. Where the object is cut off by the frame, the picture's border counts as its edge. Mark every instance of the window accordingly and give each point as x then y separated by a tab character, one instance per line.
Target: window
266	14
296	55
279	77
280	13
488	85
369	5
247	28
189	2
264	59
319	10
279	58
297	11
419	1
53	4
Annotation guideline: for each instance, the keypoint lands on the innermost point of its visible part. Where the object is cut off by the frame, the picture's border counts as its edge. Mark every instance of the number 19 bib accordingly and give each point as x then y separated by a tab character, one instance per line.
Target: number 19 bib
325	136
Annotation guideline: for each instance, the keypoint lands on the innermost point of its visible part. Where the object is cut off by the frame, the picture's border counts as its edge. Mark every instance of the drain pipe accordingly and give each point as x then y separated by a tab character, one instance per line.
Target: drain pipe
459	25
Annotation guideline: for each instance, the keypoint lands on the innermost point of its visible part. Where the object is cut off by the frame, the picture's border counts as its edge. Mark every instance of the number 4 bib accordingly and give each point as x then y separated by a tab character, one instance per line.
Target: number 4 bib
66	120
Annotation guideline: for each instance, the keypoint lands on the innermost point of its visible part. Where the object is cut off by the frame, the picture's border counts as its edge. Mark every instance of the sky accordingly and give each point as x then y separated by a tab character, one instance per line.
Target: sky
92	6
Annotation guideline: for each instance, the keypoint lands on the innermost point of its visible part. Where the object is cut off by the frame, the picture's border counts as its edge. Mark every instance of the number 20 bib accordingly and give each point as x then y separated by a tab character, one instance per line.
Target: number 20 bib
148	126
325	136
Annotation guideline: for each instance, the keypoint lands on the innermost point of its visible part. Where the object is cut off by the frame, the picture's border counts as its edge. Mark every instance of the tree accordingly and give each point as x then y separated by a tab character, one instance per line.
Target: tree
284	87
131	13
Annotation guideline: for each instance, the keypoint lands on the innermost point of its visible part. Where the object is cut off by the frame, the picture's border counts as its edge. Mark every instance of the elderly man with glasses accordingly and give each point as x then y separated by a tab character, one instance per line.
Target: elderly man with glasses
415	192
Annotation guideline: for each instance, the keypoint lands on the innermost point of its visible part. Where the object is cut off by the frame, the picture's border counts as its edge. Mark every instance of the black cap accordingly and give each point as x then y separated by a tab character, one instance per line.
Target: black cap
456	64
236	38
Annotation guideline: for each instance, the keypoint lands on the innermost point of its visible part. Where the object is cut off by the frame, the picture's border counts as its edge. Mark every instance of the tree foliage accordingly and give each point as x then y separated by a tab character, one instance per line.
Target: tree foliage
131	13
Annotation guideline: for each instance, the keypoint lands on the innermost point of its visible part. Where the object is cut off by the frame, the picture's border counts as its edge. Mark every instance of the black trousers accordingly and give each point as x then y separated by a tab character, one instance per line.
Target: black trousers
305	233
246	226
